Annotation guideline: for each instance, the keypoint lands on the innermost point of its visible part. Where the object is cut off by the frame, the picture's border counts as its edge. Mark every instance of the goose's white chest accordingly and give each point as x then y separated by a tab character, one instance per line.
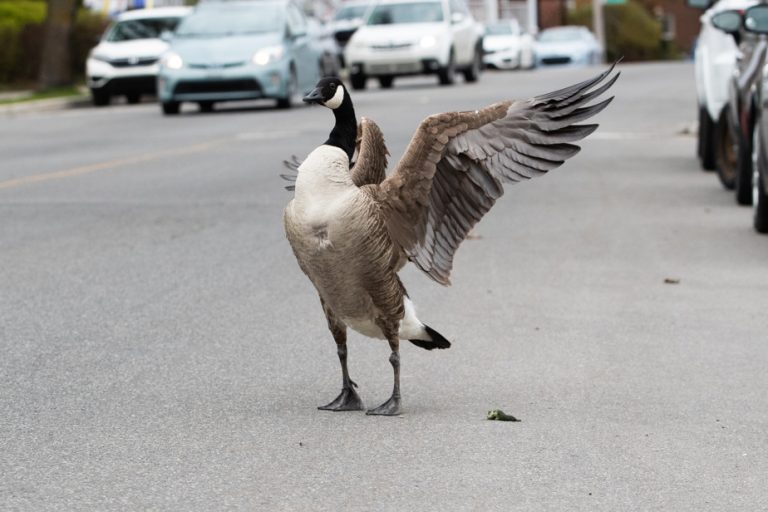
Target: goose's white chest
325	195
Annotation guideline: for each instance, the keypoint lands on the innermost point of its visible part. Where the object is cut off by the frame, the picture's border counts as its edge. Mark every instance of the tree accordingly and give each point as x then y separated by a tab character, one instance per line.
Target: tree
55	61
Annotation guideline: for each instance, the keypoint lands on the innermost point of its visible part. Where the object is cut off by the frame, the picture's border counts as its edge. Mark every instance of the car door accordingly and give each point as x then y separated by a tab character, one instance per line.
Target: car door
463	29
304	53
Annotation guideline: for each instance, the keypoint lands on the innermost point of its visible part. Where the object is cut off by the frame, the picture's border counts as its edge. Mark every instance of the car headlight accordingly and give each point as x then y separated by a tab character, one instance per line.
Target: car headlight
267	55
172	61
357	43
98	56
428	41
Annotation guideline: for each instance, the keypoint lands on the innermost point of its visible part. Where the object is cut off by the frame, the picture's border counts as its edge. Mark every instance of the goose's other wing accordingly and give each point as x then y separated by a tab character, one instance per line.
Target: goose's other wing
293	167
453	169
370	167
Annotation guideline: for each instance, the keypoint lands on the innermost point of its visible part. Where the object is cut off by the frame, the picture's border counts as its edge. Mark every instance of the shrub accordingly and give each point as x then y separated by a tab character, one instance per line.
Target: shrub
21	34
630	31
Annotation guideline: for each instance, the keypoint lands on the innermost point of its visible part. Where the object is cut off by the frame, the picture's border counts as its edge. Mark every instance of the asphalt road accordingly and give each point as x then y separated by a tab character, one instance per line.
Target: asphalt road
161	350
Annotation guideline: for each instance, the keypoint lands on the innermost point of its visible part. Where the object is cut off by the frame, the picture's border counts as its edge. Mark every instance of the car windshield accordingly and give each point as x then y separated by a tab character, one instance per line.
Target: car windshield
420	12
233	20
350	12
148	28
561	34
502	29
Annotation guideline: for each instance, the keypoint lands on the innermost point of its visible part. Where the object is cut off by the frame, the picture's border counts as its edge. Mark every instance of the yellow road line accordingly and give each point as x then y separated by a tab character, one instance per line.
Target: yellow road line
109	164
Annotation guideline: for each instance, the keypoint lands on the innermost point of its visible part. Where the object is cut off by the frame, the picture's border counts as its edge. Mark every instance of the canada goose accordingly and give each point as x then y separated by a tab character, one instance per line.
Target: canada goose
352	230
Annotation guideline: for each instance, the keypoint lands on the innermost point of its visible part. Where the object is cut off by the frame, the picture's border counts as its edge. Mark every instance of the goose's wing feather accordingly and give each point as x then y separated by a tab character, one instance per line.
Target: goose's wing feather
293	171
454	167
371	164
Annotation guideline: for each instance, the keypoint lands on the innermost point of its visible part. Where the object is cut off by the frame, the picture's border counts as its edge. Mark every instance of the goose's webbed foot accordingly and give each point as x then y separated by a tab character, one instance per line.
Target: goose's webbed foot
348	400
389	408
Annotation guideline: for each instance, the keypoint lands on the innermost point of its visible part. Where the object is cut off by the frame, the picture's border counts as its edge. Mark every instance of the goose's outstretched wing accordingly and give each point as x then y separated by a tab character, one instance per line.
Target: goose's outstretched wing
370	167
453	169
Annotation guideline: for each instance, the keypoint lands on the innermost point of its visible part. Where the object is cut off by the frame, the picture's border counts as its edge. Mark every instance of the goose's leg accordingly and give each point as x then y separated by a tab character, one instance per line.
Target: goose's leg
348	399
392	407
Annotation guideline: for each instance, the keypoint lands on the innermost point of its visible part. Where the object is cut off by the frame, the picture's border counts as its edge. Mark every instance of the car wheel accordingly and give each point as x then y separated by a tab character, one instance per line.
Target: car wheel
170	107
386	81
725	153
447	74
205	106
133	98
706	146
759	197
288	100
472	73
100	98
358	81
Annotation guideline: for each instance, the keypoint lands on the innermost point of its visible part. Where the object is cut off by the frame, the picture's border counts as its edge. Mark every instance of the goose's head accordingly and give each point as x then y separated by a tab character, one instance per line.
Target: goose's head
328	92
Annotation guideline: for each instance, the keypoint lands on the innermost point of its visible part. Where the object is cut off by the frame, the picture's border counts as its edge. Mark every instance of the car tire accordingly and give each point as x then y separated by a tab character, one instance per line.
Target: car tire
358	81
205	106
288	100
133	98
386	82
100	98
447	75
725	153
759	197
743	183
170	107
706	146
472	73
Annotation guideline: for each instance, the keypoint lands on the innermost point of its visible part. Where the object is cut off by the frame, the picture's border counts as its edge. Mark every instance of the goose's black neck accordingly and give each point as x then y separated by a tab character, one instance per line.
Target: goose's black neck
344	133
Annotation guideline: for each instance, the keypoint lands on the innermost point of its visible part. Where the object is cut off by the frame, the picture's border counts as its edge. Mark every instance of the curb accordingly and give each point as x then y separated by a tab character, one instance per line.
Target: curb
44	105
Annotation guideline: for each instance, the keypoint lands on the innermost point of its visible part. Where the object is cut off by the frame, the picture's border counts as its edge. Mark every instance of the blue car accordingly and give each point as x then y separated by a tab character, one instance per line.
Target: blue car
231	51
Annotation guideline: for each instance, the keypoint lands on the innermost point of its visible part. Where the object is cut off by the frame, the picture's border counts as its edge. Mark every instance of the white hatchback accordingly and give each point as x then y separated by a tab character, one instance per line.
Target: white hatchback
125	62
416	37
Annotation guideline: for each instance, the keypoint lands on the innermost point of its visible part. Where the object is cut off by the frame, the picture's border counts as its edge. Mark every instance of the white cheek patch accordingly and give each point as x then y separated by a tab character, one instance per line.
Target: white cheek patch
338	97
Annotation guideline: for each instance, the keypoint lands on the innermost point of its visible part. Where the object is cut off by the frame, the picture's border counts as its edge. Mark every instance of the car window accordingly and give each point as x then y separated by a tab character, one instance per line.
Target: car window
148	28
561	34
350	12
418	12
230	20
459	6
502	29
296	22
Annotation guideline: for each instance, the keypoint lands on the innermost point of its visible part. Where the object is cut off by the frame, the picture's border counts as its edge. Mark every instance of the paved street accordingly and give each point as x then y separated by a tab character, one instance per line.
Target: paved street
161	350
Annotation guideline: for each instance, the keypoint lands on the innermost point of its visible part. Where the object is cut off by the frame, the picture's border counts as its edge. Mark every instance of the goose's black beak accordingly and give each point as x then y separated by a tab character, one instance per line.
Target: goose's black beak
314	96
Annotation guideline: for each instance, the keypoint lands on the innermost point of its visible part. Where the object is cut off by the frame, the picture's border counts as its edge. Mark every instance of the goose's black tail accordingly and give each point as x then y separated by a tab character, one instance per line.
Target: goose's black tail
438	340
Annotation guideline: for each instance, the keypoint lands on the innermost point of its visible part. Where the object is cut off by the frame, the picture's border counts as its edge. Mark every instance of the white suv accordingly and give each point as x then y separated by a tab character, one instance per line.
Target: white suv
125	62
416	37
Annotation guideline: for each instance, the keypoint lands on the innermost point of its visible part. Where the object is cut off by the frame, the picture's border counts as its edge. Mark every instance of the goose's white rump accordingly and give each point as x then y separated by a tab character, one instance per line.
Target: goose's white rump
410	327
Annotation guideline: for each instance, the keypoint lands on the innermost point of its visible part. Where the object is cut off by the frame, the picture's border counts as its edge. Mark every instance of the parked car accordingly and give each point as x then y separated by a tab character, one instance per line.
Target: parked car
734	161
567	46
416	37
330	52
756	21
714	66
239	50
346	20
507	46
125	62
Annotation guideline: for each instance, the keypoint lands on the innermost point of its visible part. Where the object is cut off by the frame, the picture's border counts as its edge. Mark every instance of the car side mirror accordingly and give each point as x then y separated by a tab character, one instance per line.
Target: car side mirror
166	35
457	17
700	4
727	21
756	19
